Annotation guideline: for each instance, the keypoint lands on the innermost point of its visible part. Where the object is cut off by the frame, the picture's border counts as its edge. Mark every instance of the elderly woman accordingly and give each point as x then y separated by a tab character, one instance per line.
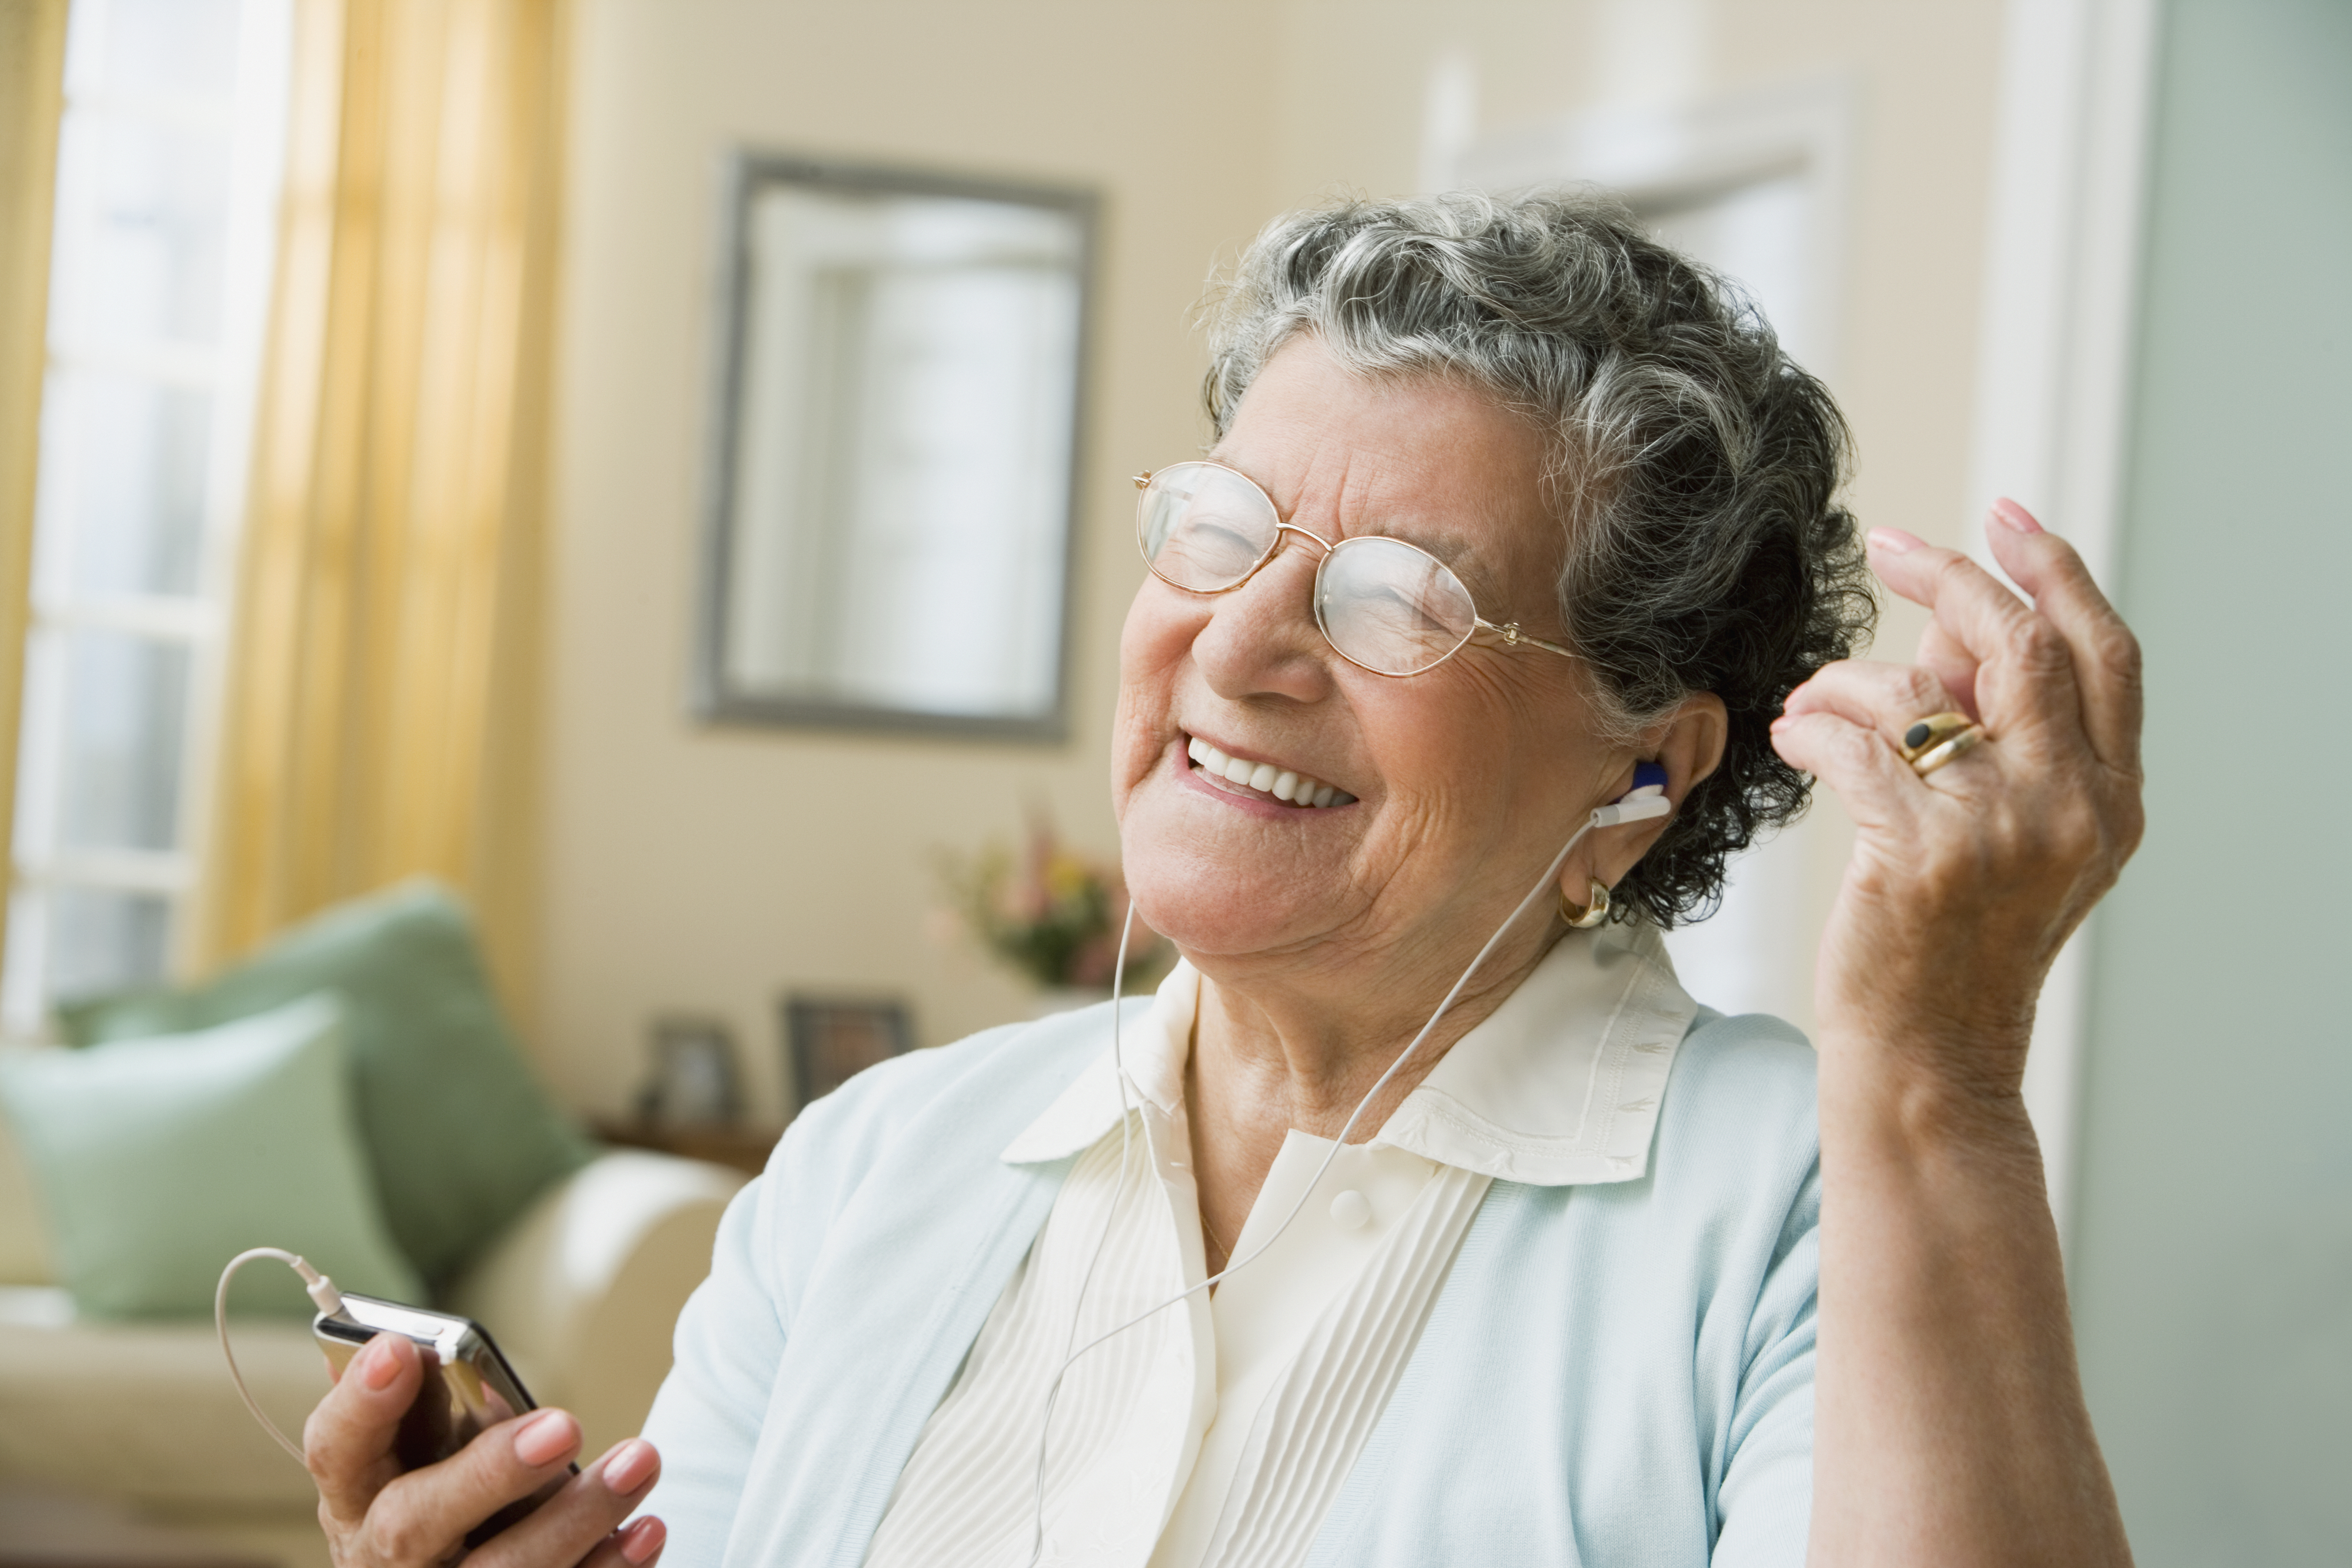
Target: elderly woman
1512	514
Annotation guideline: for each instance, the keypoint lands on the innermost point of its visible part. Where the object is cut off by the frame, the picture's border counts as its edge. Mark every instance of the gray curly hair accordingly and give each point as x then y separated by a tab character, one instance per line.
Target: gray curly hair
1694	467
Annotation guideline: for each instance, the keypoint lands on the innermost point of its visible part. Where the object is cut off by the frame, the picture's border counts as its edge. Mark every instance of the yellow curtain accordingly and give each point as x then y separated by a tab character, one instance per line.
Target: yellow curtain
32	80
379	717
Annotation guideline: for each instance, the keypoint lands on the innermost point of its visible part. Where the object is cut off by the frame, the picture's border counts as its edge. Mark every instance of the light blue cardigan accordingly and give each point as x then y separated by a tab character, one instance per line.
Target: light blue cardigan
1615	1374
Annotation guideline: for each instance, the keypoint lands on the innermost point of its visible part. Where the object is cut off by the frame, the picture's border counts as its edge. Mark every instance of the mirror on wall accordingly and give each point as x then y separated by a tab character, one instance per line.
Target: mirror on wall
893	484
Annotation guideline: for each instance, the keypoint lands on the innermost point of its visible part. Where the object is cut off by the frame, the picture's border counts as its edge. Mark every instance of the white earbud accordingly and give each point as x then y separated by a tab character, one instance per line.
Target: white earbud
1645	800
1632	809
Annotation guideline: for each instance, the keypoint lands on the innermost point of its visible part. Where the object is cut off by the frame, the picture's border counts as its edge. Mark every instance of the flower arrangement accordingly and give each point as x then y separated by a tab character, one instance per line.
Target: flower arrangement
1051	913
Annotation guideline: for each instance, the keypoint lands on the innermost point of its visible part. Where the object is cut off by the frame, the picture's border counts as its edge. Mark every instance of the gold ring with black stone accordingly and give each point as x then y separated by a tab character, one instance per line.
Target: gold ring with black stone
1926	734
1936	756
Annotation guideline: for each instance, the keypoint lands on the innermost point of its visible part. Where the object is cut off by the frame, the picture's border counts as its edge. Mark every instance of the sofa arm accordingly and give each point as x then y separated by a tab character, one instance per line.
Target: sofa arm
582	1292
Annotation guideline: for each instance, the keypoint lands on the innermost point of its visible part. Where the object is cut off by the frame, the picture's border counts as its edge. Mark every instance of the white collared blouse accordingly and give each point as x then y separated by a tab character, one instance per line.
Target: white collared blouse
1217	1429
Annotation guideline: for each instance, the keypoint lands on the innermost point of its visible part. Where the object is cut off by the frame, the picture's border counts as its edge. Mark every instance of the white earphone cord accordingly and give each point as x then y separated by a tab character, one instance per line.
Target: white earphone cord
1110	1216
1603	817
322	1293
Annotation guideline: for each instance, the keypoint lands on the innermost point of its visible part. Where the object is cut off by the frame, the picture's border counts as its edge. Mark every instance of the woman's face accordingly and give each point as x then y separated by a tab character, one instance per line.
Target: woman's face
1467	778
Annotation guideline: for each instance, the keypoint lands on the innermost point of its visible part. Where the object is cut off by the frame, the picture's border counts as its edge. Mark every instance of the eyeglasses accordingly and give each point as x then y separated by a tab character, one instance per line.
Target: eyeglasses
1382	605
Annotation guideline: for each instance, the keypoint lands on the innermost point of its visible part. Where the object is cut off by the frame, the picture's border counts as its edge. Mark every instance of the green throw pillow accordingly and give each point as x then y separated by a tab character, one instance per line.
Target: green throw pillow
459	1135
159	1160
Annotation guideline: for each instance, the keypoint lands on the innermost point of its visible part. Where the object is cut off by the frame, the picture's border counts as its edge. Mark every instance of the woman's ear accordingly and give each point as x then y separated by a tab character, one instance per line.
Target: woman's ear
1688	746
1691	746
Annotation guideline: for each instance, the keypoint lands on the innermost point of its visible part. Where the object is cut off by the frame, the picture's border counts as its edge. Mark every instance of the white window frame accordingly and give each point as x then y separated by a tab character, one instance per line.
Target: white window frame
254	117
2054	339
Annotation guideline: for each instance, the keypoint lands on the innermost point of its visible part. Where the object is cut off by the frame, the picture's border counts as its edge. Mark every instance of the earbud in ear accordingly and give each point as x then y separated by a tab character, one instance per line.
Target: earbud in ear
1632	809
1645	800
1649	779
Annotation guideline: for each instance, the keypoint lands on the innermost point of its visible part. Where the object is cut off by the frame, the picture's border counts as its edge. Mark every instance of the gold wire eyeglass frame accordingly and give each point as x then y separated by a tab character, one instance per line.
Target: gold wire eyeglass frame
1508	632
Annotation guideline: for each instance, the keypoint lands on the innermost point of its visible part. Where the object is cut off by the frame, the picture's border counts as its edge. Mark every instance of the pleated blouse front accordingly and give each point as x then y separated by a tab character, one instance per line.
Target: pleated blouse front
1192	1429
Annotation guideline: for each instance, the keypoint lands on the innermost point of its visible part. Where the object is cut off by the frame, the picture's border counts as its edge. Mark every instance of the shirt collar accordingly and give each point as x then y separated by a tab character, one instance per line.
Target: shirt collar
1154	1044
1558	1086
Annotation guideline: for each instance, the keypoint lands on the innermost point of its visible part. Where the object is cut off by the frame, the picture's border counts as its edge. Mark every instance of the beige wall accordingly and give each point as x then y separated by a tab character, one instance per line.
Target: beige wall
707	869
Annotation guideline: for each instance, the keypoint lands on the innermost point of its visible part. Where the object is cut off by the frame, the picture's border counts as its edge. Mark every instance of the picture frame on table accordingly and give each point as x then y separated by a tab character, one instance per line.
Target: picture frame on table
697	1076
830	1040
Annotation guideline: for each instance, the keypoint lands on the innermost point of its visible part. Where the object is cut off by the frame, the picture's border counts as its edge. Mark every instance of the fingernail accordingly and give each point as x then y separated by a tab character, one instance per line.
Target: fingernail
545	1437
642	1539
2014	518
1895	541
628	1466
378	1363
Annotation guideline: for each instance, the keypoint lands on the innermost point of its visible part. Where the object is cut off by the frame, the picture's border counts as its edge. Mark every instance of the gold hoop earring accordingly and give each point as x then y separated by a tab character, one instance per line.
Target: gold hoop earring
1591	914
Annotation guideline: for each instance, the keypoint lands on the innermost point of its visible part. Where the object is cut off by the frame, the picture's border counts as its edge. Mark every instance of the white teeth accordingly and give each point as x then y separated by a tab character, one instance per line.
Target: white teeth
1283	783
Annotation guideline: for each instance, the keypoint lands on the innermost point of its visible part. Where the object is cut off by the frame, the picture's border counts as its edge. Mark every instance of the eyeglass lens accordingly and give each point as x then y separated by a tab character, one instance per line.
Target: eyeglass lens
1203	527
1391	607
1382	602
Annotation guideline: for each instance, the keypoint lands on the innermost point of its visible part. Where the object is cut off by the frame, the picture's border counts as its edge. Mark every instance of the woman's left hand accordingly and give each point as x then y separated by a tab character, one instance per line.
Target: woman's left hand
1950	1428
1965	883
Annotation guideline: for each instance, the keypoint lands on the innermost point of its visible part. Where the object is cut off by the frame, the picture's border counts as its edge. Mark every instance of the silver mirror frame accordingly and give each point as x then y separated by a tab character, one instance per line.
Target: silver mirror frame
744	173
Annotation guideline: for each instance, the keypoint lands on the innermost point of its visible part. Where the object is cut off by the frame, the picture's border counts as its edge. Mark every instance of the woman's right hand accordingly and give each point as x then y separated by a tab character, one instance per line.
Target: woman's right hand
376	1516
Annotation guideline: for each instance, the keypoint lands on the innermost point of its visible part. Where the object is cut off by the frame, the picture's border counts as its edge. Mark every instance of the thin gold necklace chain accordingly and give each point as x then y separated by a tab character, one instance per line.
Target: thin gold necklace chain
1211	1233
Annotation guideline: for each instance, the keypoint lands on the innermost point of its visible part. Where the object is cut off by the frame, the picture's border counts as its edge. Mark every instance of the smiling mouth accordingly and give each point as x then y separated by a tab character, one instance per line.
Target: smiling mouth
1283	785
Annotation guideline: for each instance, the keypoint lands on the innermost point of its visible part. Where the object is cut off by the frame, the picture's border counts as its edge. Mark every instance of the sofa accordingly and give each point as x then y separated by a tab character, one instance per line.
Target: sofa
581	1292
355	1083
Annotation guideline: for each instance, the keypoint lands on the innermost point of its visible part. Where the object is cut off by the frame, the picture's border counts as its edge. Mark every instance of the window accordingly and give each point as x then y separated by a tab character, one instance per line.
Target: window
168	169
